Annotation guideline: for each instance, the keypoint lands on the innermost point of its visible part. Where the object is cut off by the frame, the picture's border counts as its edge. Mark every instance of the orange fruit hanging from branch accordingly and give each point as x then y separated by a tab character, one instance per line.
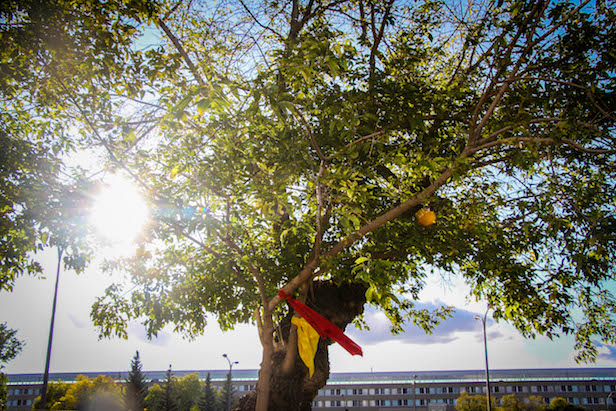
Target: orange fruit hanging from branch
425	217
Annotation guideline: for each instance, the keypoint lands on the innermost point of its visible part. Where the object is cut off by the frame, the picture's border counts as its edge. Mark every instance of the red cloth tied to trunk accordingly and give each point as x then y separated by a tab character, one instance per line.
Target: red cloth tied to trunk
322	325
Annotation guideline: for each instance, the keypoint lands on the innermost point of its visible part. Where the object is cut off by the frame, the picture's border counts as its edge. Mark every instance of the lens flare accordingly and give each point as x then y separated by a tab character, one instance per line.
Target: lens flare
119	212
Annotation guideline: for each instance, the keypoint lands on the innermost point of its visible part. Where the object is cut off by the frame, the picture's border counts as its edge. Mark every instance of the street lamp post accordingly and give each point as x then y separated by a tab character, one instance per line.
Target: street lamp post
414	392
230	379
607	401
51	324
485	346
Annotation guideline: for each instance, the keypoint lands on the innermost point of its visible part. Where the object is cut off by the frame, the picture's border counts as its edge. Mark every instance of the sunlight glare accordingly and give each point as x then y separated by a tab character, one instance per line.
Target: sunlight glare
119	211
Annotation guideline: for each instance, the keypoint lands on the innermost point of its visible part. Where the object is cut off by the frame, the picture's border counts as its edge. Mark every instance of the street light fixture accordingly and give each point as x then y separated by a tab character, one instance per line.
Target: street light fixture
485	346
607	399
230	378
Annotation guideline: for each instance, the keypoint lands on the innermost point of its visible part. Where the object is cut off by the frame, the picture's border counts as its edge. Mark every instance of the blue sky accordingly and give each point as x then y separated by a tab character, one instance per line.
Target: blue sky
456	344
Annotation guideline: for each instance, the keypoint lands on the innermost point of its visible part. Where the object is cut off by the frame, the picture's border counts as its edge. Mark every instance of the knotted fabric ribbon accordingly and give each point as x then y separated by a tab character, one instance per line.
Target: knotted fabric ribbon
322	325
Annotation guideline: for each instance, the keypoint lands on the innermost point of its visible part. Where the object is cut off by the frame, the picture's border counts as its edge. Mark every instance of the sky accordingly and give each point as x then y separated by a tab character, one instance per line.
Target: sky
457	344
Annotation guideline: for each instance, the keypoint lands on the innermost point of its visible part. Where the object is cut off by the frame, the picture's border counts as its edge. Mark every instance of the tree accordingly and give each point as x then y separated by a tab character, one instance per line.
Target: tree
10	347
207	401
560	404
227	395
510	402
188	390
513	403
291	144
154	401
170	402
55	392
136	386
468	402
98	393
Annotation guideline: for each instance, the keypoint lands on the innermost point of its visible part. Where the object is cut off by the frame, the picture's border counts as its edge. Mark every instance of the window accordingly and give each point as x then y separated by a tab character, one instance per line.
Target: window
403	390
517	388
542	388
422	390
496	389
356	403
357	391
379	391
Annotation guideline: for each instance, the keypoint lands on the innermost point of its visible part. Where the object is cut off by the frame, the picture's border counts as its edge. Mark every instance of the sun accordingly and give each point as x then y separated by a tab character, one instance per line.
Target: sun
119	212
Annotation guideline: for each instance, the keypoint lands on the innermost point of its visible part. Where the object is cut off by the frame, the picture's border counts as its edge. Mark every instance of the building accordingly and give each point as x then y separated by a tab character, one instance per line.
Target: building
591	388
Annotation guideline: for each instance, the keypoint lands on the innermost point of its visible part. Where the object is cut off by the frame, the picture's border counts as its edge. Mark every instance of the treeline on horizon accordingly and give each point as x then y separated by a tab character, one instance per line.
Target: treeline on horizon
172	394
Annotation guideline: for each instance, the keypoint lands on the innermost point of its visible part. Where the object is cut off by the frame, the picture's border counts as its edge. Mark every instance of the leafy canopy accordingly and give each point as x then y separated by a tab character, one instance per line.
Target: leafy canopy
280	142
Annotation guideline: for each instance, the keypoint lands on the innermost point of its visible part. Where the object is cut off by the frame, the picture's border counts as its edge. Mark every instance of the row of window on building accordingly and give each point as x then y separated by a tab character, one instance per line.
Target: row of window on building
19	403
428	401
24	391
510	389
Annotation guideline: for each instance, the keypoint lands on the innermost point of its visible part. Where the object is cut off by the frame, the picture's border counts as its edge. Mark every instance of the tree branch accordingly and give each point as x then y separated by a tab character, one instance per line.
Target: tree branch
349	240
182	52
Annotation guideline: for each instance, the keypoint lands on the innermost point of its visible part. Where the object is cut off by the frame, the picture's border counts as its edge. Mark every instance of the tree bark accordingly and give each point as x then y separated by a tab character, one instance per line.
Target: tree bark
292	389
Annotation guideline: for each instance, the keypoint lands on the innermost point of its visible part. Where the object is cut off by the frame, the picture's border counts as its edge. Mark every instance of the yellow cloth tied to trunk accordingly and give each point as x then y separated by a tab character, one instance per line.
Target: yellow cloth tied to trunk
307	341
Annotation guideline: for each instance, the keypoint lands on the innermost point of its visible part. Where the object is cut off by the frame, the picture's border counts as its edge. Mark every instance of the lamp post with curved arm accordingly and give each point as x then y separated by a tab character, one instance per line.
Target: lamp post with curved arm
485	346
231	364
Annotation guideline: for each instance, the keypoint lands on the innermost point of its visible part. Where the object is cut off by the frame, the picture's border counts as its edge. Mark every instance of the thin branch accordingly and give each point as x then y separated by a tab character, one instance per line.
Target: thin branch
182	52
310	136
254	18
255	272
468	152
509	128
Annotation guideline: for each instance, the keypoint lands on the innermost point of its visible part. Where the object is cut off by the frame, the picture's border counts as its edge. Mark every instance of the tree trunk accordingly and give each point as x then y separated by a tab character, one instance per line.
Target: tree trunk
292	389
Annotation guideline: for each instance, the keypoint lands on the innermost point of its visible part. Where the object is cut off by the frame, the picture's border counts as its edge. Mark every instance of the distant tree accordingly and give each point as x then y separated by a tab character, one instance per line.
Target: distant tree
4	394
136	386
10	347
55	391
169	399
100	393
514	403
560	404
208	402
188	391
155	400
226	394
468	402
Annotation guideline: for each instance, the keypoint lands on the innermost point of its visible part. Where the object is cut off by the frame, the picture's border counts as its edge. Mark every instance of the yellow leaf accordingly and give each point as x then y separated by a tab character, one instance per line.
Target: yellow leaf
174	171
307	341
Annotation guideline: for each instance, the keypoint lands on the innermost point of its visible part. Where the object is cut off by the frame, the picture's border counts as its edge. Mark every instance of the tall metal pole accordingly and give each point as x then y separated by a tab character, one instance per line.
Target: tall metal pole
414	393
485	346
50	341
607	406
230	379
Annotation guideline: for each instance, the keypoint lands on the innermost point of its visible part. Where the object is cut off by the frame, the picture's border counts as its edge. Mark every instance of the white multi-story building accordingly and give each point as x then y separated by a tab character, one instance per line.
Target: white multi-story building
591	388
